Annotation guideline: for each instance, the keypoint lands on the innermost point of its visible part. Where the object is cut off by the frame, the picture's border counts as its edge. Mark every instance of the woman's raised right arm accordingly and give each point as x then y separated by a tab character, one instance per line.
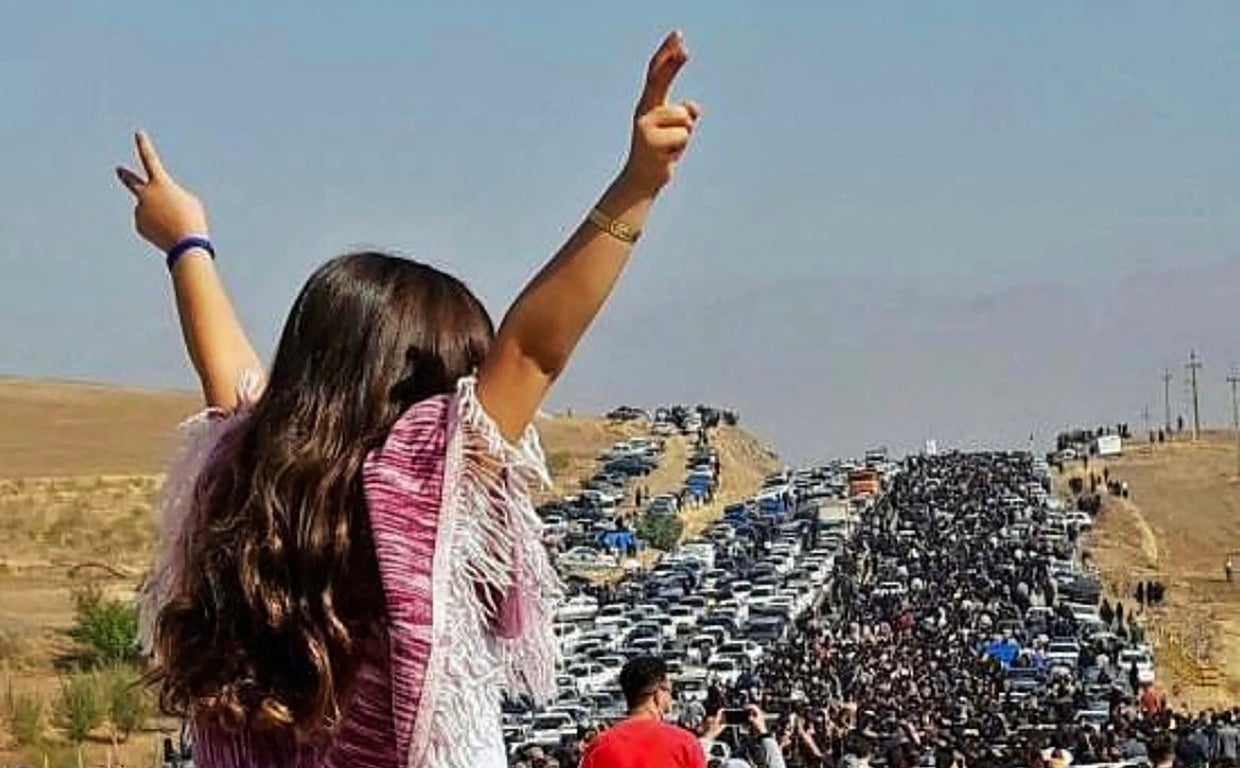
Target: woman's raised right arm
167	214
542	328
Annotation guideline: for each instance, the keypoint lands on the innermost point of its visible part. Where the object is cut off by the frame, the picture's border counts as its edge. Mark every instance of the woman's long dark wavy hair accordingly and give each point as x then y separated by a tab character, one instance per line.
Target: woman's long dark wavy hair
280	593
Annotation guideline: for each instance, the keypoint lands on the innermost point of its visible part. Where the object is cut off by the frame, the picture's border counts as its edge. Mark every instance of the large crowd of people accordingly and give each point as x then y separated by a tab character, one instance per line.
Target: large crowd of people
959	629
908	675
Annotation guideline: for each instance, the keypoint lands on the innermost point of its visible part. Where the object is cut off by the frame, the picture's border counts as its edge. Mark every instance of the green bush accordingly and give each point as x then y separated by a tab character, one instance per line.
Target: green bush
26	716
106	629
128	706
82	705
661	531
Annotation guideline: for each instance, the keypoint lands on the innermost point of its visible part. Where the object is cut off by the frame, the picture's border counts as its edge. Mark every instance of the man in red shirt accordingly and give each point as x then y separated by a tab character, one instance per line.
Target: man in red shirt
643	740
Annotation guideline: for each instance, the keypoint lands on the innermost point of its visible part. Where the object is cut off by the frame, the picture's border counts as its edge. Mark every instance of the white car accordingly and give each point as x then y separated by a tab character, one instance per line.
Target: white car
747	648
619	625
577	608
651	629
568	635
1084	612
697	603
762	594
665	623
701	551
682	618
611	614
646	445
782	558
605	637
613	664
740	588
1063	653
691	689
819	569
1144	661
1079	520
585	557
1039	613
739	608
787	604
601	499
701	646
590	676
724	669
645	612
550	728
646	646
890	588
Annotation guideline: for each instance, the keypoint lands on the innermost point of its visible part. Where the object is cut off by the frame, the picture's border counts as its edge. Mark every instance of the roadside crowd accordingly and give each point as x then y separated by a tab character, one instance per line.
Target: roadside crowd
957	632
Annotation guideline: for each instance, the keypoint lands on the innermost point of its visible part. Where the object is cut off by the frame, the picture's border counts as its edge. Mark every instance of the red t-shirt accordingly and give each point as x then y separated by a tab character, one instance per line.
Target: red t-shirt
644	744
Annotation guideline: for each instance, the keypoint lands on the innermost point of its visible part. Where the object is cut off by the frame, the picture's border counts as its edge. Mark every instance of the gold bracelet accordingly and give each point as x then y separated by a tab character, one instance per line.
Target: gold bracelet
614	227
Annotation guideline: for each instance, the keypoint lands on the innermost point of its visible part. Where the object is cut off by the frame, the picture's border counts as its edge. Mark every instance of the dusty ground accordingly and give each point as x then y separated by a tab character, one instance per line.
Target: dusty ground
54	429
80	469
1180	521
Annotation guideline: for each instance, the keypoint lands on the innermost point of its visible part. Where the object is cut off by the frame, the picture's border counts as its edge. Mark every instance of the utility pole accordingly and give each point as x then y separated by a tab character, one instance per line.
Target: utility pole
1149	436
1233	380
1194	365
1167	401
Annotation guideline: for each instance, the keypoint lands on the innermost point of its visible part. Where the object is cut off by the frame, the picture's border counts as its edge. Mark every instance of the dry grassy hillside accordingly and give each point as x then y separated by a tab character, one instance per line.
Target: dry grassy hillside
79	473
1181	519
56	429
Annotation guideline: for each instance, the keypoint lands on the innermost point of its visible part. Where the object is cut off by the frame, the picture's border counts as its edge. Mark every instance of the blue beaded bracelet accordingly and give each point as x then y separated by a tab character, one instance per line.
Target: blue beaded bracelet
187	244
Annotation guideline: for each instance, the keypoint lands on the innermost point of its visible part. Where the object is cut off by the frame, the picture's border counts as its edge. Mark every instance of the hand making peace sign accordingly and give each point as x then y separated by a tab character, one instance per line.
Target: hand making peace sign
661	130
166	212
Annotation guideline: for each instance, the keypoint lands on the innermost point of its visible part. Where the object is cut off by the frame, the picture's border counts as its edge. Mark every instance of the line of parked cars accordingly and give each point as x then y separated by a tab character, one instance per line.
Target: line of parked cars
581	528
1067	649
677	418
712	608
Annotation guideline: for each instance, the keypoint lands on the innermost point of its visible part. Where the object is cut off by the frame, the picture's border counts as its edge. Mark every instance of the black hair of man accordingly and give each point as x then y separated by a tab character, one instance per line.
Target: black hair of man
859	744
640	677
1159	750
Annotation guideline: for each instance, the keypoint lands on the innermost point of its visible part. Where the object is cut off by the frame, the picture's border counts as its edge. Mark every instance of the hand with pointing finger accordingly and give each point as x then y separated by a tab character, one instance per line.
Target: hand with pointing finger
166	212
661	129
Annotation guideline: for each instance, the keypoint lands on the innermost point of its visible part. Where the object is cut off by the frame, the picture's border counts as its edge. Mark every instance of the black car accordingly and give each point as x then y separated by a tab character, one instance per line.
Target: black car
1025	680
766	630
627	413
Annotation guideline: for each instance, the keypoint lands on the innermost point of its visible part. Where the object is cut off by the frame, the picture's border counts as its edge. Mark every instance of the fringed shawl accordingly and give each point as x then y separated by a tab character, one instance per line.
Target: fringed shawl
469	590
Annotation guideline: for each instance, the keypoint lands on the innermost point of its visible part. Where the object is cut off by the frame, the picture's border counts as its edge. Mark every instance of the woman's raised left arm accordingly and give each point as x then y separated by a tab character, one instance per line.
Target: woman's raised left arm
167	216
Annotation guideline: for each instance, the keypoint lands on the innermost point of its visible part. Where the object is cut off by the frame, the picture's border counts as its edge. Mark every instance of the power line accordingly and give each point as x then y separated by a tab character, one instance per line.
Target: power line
1233	380
1194	365
1145	416
1167	400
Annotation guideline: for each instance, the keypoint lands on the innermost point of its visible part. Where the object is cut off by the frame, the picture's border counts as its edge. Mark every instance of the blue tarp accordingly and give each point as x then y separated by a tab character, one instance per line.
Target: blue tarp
1004	651
736	512
699	482
621	540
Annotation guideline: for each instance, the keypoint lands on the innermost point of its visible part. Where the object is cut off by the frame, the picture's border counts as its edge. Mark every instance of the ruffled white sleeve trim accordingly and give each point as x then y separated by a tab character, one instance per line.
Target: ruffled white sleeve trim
497	480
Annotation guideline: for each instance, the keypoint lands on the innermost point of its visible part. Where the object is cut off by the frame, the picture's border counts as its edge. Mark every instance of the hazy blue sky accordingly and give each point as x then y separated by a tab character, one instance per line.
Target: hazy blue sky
900	220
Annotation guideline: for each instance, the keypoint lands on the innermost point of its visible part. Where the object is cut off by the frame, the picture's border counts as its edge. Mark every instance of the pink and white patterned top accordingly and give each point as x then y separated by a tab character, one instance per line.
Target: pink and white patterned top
469	592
